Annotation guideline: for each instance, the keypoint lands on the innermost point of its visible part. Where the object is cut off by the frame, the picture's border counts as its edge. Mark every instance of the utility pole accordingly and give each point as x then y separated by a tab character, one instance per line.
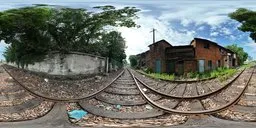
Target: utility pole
153	34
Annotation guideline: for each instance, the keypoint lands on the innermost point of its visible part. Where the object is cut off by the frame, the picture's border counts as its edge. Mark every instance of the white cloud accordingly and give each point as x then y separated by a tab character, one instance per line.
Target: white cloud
251	45
2	48
226	31
138	39
199	12
185	22
232	37
6	7
201	28
221	31
2	44
202	12
214	34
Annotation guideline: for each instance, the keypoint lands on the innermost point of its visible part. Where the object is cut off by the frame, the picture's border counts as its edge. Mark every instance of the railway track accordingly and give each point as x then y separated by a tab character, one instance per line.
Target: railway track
18	105
206	88
129	95
204	104
121	100
245	108
32	88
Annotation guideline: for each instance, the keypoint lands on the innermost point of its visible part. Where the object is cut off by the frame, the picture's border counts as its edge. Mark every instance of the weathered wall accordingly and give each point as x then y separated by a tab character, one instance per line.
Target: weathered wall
157	52
190	66
212	53
70	64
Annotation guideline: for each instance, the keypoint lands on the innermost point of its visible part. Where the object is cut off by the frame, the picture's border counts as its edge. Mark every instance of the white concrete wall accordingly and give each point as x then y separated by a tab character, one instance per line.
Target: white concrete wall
69	64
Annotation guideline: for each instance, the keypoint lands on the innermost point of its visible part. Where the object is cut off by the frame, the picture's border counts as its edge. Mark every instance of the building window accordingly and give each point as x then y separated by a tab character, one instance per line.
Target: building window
207	45
218	63
210	64
221	51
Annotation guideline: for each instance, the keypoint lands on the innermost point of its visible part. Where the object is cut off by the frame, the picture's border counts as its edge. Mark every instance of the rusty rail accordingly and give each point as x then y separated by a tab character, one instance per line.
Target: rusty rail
62	99
191	97
209	111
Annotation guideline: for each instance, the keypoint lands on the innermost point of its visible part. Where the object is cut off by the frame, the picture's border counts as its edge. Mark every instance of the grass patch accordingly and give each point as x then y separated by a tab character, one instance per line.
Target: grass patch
221	73
163	76
249	65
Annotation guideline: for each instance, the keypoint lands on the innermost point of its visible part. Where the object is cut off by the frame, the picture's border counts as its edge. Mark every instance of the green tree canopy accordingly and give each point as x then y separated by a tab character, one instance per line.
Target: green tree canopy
26	30
248	20
242	55
34	31
133	60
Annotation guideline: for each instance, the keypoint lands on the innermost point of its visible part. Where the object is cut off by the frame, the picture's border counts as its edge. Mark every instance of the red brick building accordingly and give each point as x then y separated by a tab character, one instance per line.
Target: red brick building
201	55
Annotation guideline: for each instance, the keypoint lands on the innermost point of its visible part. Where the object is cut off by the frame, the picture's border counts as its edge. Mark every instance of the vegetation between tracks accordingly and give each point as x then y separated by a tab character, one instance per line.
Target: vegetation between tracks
221	73
163	76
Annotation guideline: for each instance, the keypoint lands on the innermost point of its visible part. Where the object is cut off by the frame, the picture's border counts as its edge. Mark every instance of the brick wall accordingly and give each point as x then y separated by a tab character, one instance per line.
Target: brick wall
190	66
157	52
212	53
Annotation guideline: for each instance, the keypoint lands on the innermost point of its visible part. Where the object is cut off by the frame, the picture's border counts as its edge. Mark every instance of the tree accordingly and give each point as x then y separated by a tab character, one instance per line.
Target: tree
133	60
115	46
34	31
111	45
248	19
75	29
25	30
242	55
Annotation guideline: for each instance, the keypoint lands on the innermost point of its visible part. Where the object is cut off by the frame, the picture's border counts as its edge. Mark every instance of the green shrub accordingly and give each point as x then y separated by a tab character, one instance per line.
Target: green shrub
147	70
163	76
192	75
222	73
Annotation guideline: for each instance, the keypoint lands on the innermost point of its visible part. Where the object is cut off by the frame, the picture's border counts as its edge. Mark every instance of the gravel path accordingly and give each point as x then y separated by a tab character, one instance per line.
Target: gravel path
67	88
245	109
61	88
16	104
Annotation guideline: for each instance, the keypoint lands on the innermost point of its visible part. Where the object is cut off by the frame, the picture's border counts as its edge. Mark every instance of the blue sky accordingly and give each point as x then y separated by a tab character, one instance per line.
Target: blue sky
178	22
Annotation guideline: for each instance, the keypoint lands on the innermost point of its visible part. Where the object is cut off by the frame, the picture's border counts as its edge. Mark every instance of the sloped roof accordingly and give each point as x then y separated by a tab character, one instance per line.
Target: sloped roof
164	41
208	41
182	46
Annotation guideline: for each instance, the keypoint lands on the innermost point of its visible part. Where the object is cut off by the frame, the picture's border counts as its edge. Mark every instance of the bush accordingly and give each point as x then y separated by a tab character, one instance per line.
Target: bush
223	73
192	75
163	76
147	70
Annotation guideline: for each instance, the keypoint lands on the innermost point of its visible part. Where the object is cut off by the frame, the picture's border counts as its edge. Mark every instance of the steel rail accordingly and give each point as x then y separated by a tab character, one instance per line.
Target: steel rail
191	97
117	115
209	111
62	99
215	115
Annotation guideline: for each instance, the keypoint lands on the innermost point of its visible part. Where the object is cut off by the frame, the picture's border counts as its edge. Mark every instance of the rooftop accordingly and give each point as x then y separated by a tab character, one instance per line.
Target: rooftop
160	42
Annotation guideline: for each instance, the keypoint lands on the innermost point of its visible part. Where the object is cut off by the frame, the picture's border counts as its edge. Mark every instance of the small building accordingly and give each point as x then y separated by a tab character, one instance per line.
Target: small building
199	56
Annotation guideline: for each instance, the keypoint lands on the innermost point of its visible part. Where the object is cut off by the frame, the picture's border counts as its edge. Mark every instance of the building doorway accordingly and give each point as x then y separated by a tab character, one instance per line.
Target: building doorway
170	67
201	65
234	62
180	67
158	66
